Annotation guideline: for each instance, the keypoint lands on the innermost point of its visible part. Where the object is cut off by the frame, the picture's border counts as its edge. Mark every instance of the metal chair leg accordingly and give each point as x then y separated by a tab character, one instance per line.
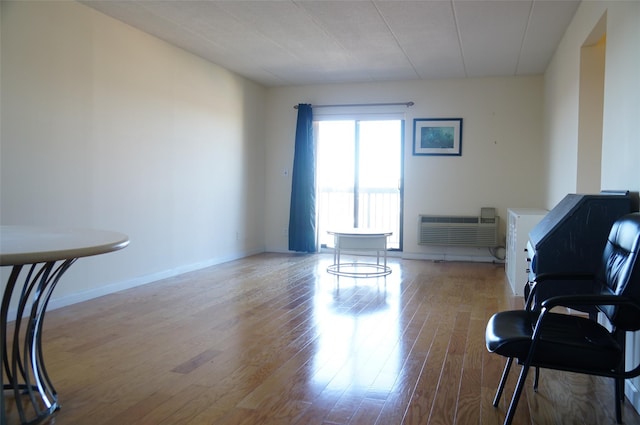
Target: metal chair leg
619	384
536	379
503	380
516	395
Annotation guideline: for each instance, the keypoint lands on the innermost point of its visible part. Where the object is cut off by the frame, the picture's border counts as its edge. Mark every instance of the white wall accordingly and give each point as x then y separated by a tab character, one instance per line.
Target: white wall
499	166
104	126
591	105
621	123
621	113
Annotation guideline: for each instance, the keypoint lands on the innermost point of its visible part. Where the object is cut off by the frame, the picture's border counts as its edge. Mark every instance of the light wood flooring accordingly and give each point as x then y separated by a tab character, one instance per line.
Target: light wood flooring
275	339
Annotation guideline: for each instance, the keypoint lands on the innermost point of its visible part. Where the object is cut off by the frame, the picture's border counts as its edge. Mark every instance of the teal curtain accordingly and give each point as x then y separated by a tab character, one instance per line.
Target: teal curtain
302	212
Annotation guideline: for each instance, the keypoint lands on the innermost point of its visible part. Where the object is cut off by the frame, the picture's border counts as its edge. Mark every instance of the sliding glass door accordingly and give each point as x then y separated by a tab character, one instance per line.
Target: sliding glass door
359	165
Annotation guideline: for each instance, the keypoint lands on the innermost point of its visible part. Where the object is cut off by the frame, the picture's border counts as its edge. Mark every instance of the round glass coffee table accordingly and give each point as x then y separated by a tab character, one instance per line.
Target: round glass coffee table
360	241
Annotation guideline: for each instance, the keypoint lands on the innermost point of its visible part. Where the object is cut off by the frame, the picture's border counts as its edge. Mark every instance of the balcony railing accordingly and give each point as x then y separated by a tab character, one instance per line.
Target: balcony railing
377	209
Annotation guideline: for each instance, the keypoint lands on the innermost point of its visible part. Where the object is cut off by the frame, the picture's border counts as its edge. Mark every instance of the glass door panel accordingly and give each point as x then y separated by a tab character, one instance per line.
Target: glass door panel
359	169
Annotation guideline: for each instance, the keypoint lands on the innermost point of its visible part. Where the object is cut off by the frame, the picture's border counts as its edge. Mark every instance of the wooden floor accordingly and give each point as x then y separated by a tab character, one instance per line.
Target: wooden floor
275	339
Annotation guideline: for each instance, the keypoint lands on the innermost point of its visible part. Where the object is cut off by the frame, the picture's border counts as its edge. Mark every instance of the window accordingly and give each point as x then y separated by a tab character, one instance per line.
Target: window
359	166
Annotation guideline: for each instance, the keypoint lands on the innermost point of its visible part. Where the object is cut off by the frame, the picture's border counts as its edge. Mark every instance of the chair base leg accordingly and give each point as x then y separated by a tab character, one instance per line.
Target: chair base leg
516	395
503	381
619	384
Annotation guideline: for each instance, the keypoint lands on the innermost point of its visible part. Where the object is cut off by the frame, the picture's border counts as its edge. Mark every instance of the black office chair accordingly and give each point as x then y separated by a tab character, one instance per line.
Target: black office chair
541	339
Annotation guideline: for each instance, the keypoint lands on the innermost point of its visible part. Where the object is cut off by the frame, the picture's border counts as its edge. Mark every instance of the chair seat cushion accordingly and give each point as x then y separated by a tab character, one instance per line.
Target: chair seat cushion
565	342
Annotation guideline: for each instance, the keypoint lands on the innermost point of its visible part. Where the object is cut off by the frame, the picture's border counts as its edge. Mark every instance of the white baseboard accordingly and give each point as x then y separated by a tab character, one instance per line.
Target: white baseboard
632	393
451	257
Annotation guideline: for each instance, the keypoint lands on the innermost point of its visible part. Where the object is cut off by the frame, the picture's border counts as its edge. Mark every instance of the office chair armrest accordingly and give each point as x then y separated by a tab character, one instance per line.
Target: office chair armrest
557	279
570	301
565	276
598	301
553	283
585	299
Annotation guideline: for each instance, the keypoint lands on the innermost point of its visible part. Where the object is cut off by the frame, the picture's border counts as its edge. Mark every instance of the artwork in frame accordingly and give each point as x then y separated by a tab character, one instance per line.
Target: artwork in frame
437	136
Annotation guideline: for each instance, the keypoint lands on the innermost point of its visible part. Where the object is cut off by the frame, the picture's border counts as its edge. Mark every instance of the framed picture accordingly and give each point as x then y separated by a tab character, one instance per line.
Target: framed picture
437	136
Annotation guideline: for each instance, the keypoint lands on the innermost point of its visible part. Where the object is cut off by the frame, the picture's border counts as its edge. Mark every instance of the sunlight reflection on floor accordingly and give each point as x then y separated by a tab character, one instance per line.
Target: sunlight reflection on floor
358	327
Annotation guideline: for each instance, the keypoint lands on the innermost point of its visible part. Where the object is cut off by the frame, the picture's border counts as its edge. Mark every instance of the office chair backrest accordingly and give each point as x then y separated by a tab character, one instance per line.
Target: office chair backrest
620	273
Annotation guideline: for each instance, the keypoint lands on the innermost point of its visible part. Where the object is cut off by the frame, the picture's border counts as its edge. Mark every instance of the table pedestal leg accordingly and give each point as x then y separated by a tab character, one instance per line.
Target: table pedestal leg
21	357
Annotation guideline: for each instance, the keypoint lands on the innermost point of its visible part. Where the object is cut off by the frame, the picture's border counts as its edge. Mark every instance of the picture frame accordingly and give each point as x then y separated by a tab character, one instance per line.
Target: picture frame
437	136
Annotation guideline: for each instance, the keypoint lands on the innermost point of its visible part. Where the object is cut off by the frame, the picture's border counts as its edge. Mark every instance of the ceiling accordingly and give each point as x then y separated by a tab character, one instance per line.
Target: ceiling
301	42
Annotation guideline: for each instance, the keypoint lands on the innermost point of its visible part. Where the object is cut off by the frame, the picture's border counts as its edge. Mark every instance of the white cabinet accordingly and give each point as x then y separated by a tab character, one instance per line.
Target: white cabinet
520	221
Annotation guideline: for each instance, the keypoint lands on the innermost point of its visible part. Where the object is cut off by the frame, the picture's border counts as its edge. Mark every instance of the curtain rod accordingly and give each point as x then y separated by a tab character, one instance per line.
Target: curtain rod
346	105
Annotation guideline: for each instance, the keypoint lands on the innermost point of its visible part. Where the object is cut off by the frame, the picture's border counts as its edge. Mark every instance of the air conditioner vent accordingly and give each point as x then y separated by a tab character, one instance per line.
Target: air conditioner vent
458	230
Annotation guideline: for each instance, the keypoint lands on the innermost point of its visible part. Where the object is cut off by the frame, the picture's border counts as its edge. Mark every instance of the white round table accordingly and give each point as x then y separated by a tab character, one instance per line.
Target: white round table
359	240
39	256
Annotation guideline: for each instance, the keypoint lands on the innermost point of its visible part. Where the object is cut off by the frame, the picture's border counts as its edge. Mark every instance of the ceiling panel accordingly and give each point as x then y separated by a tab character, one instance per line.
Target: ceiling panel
491	34
291	42
427	33
547	25
360	29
